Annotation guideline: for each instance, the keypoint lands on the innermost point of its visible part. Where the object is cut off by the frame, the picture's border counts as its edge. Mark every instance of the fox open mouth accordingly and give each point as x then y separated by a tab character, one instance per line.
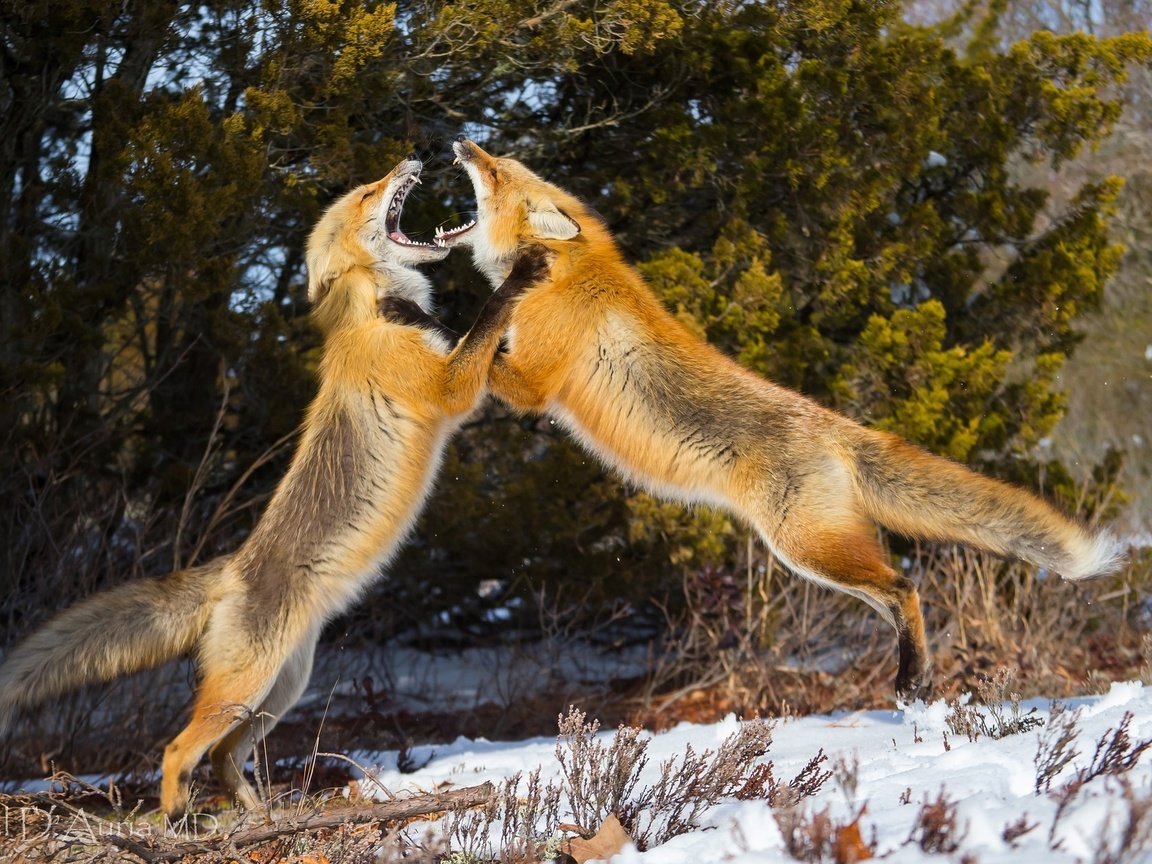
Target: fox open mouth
392	216
454	235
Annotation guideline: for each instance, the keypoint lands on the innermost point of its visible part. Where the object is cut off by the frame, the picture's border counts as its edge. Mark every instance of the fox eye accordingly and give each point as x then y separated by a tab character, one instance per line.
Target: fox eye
367	195
495	173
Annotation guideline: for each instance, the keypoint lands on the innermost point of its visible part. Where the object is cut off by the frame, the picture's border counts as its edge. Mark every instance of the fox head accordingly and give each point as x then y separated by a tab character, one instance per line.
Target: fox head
357	253
514	207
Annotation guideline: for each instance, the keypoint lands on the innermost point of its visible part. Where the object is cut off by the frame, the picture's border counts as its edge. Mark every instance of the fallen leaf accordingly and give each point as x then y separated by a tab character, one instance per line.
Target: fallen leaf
606	842
850	846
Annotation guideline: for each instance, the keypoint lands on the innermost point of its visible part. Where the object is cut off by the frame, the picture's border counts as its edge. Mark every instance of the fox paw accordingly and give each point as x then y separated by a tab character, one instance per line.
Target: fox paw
911	688
531	266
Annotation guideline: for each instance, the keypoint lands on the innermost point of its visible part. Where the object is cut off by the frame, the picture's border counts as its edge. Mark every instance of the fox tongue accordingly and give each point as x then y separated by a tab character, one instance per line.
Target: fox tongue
398	236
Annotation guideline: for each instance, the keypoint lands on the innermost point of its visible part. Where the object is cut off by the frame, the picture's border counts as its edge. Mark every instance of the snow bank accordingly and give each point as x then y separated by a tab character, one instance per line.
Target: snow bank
905	759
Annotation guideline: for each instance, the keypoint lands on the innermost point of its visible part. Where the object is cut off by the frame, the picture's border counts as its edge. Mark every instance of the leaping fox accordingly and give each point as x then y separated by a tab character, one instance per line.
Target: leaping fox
390	395
594	348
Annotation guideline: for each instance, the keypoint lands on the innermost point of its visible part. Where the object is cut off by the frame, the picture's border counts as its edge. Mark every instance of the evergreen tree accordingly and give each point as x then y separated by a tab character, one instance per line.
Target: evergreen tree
821	190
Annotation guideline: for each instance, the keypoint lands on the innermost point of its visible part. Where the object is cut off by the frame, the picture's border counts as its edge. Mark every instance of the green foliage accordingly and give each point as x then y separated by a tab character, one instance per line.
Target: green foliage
733	300
935	396
828	194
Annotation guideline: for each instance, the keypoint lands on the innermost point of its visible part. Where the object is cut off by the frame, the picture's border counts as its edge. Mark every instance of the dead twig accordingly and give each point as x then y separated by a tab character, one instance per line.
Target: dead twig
156	848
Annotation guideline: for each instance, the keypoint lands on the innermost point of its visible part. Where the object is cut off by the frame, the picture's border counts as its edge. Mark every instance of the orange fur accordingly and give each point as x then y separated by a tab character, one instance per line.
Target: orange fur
389	397
594	348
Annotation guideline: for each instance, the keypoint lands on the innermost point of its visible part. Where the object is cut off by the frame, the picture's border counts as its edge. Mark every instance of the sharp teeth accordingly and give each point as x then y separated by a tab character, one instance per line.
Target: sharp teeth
456	161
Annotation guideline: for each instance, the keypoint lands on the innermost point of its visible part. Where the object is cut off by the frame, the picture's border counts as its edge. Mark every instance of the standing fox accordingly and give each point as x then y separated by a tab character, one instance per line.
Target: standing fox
593	348
389	397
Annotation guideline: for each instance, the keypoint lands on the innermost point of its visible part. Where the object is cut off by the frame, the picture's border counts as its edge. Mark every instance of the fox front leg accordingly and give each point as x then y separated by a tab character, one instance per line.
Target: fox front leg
514	388
467	367
400	310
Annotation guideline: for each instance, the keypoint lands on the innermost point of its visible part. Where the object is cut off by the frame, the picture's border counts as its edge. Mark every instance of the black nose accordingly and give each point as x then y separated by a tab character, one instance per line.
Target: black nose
412	157
460	139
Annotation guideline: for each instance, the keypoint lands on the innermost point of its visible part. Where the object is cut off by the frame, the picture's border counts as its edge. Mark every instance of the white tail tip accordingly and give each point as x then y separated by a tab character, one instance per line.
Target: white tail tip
1102	553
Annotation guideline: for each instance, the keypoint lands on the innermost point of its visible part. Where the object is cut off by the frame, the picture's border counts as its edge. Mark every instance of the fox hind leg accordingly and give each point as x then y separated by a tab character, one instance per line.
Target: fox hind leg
231	752
238	669
914	675
849	558
223	702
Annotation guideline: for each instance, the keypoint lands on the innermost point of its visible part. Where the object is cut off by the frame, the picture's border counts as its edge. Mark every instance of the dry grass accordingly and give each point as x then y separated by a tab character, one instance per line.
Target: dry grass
998	713
819	837
49	834
598	782
764	642
754	641
76	822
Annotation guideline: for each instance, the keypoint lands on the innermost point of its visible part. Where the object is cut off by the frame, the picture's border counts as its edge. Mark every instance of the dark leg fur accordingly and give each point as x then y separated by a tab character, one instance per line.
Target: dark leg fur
914	676
400	310
851	559
469	363
531	267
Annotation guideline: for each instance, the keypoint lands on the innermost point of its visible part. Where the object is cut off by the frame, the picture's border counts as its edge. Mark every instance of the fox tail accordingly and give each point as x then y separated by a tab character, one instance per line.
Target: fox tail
132	627
917	494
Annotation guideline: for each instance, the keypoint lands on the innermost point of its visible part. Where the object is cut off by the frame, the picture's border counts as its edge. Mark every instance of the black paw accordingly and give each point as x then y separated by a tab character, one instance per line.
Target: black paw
531	266
911	688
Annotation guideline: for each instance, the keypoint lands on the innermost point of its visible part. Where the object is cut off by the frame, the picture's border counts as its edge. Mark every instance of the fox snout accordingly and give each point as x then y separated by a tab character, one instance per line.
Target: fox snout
468	151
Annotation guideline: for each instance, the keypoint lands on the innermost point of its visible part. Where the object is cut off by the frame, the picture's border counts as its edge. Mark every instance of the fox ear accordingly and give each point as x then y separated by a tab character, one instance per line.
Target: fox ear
551	223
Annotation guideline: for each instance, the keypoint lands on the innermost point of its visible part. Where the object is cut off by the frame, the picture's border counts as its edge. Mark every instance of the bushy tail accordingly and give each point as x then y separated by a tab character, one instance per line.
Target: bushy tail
920	495
132	627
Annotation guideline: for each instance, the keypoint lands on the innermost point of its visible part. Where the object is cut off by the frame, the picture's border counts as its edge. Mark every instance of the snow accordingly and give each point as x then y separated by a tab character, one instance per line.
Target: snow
906	757
416	680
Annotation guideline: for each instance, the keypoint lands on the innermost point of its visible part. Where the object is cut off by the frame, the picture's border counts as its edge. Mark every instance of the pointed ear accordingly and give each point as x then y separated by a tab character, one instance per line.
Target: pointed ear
551	223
